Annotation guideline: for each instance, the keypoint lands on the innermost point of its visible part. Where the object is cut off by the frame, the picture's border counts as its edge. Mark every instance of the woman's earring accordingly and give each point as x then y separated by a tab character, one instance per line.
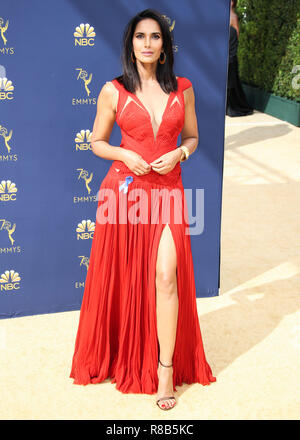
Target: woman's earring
132	59
164	60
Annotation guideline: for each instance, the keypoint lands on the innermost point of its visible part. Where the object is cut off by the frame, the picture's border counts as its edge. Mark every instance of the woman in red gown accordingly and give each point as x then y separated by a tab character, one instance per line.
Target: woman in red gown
138	322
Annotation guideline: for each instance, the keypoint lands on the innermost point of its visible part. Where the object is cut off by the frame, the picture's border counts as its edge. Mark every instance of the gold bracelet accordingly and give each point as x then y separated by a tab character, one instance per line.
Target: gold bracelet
186	153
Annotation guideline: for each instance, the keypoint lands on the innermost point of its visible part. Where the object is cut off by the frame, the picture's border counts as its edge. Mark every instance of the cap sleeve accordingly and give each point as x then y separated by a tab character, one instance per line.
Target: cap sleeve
116	84
185	83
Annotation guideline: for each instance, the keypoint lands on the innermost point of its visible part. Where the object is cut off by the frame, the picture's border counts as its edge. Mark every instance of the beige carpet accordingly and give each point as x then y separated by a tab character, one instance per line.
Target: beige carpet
251	332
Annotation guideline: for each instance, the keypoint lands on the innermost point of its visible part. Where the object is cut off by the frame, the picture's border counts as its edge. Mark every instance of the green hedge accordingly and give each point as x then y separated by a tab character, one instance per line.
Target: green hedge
269	45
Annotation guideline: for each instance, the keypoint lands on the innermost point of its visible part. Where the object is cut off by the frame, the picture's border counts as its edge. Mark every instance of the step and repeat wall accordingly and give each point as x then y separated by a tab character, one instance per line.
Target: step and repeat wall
54	59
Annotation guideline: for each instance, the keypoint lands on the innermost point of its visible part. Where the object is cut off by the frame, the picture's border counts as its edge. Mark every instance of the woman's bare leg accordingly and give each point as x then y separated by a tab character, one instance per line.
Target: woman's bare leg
166	311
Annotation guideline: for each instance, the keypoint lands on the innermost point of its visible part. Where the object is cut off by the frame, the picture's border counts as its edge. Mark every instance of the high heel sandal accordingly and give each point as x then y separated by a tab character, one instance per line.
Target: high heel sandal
166	398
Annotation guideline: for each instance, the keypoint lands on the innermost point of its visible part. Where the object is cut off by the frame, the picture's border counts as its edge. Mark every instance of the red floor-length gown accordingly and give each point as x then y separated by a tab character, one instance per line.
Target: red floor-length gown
117	332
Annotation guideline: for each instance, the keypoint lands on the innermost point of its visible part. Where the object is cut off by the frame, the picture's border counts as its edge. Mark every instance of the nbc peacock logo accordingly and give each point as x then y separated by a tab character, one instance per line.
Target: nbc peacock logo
84	35
9	281
83	140
6	86
8	191
85	230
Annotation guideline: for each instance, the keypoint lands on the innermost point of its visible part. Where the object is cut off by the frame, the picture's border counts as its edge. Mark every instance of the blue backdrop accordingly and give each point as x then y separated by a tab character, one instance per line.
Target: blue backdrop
54	59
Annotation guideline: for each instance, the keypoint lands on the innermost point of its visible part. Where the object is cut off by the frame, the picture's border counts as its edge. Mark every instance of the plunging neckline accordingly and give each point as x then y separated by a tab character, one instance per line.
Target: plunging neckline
162	119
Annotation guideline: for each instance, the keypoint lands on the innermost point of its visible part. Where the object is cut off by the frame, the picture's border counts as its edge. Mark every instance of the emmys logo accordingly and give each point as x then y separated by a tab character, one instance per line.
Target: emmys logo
8	229
3	28
85	177
171	28
85	79
6	86
5	145
84	35
84	261
83	140
171	25
8	191
85	230
9	281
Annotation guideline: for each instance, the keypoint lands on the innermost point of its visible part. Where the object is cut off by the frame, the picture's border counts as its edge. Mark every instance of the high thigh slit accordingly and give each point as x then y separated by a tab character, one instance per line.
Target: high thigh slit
117	331
164	227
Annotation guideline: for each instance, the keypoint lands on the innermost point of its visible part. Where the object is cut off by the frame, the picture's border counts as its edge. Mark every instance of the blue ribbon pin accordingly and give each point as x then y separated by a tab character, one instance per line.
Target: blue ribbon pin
124	185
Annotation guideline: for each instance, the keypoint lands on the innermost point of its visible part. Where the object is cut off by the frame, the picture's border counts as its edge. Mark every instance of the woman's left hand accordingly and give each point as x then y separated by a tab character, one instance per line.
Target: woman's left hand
165	163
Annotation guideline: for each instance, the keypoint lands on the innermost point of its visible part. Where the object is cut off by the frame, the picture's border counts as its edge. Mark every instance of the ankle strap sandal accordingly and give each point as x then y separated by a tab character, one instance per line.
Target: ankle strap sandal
166	398
165	365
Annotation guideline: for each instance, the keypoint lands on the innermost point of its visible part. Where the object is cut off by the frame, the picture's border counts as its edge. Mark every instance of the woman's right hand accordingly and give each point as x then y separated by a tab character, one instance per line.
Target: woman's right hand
135	162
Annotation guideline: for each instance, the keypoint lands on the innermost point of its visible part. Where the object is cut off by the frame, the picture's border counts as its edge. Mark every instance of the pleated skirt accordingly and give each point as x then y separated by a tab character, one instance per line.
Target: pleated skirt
117	331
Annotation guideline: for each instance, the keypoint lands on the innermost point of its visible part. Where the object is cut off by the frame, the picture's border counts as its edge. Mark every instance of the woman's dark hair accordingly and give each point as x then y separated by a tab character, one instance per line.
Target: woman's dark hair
164	72
234	3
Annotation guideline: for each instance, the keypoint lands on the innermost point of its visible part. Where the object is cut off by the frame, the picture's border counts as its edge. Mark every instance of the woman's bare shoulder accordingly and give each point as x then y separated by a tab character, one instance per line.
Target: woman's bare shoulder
109	88
110	94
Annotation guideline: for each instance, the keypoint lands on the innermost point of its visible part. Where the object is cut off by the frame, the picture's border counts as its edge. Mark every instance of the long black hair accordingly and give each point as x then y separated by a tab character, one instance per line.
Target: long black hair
164	72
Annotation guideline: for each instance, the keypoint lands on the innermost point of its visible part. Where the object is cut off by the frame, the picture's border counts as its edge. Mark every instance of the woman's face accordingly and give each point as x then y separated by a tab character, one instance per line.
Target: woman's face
147	37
